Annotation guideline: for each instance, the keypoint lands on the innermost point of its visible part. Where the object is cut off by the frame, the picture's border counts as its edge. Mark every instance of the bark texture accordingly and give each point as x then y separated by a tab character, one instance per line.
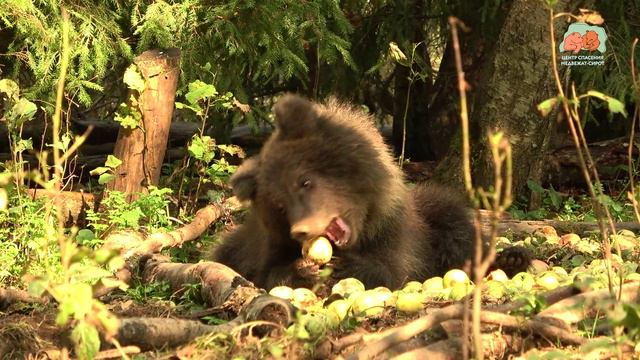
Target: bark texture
514	77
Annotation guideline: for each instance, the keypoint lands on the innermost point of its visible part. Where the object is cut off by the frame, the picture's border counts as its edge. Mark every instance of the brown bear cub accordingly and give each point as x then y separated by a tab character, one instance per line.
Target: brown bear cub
326	171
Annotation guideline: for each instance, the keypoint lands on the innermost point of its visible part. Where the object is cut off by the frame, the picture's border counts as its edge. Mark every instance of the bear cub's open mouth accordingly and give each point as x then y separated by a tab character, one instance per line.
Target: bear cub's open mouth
338	232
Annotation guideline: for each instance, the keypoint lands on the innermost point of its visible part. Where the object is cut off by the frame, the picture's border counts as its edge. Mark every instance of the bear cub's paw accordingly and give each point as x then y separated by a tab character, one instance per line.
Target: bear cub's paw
307	269
513	260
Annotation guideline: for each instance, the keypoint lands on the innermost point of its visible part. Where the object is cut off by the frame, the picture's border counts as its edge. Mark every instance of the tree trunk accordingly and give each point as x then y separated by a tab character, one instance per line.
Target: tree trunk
513	79
142	149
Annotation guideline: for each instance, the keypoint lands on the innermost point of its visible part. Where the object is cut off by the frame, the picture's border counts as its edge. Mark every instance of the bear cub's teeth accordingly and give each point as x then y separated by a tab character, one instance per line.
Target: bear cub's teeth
338	232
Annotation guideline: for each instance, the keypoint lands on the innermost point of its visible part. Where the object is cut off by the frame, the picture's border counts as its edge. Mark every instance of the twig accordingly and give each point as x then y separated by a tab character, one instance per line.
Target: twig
583	166
534	326
636	113
117	353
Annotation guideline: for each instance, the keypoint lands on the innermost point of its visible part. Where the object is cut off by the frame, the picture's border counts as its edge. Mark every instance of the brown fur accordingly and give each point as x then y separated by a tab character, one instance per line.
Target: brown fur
326	161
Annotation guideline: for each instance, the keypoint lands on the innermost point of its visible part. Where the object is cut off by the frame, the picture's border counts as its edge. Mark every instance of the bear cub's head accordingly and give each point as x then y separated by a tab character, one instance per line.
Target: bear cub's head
324	171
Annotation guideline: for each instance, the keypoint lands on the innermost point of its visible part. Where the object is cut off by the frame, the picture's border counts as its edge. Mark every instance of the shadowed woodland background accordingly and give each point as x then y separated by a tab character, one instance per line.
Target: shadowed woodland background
257	50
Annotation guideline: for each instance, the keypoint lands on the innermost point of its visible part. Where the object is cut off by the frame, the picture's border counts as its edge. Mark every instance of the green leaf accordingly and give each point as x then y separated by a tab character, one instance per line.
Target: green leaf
556	199
10	88
99	170
22	111
133	79
105	178
86	340
128	117
232	150
199	90
131	218
65	310
534	187
615	105
84	235
128	122
276	350
75	299
547	106
201	148
112	162
83	273
195	109
23	145
66	140
578	260
397	55
37	287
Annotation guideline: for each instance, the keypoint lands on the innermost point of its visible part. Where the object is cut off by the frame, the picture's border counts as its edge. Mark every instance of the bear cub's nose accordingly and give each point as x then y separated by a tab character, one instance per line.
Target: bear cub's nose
300	232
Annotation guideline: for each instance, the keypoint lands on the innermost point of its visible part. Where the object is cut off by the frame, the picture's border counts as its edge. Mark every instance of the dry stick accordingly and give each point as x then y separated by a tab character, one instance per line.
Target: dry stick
404	118
65	257
574	135
158	241
397	335
455	311
330	346
117	353
408	331
462	84
450	349
497	346
464	119
533	326
607	245
636	113
574	309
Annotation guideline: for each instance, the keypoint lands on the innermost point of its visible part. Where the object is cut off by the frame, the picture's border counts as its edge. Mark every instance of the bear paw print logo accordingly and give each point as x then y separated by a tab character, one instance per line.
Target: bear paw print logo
581	36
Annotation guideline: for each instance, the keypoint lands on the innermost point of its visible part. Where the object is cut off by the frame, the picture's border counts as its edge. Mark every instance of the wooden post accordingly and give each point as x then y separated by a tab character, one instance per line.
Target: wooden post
142	149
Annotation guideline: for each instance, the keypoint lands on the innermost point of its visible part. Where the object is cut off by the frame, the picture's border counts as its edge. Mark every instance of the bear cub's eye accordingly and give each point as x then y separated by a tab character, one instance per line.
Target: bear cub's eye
305	183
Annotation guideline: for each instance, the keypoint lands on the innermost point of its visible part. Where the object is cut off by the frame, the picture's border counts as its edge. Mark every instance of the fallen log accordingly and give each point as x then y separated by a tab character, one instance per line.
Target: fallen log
135	243
74	204
10	296
578	307
222	287
562	227
156	333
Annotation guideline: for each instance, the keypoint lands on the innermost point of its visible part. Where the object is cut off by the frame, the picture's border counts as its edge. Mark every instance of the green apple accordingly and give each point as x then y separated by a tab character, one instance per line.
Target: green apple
348	286
455	276
410	302
283	292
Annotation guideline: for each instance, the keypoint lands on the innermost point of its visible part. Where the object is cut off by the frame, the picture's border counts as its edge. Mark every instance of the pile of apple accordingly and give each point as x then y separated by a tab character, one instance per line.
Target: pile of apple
350	299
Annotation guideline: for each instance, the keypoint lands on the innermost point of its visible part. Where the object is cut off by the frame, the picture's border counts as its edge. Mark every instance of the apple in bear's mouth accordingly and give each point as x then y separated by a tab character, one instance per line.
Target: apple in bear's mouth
338	232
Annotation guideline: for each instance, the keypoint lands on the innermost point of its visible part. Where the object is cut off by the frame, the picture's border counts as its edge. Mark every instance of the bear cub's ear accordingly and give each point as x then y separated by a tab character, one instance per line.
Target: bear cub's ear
243	182
295	116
